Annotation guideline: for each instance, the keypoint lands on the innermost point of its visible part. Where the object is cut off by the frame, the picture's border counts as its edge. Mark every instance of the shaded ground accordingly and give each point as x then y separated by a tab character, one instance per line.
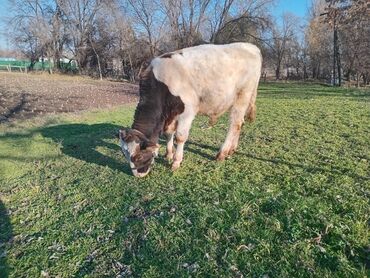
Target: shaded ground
26	95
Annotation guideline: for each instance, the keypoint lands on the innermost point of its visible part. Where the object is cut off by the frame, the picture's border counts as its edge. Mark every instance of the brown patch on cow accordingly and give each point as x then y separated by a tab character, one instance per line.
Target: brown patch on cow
167	55
130	135
251	113
157	107
212	120
170	54
143	159
170	128
173	107
144	69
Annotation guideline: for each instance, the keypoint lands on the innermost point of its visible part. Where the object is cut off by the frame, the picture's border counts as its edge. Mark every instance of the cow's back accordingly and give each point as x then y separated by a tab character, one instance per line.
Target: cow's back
209	76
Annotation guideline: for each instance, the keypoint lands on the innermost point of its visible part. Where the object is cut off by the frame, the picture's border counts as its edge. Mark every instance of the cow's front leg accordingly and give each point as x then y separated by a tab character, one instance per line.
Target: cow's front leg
182	134
170	134
170	147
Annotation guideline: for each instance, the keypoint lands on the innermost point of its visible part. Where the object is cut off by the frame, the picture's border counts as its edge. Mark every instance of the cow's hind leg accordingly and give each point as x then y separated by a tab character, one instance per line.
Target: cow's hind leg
244	103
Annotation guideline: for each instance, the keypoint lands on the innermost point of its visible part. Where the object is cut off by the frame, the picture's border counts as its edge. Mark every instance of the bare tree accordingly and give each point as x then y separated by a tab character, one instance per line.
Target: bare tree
354	29
338	39
28	23
79	17
185	20
228	15
58	36
148	20
281	36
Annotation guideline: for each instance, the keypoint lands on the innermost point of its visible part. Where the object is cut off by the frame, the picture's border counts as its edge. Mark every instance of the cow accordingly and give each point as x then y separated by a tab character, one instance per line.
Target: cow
176	86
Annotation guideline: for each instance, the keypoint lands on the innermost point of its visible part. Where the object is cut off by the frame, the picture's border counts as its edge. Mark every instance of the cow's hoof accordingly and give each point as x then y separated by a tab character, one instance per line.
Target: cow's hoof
220	156
175	166
169	157
231	152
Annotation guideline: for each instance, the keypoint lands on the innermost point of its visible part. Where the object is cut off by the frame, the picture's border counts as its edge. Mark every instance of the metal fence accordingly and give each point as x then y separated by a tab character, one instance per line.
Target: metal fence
24	65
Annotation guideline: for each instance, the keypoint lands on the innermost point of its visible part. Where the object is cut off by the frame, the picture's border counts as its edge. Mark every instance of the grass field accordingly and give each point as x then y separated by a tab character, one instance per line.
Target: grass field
293	201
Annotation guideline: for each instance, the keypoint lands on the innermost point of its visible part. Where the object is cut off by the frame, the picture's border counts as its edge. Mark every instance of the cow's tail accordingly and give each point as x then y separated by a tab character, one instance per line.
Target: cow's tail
252	109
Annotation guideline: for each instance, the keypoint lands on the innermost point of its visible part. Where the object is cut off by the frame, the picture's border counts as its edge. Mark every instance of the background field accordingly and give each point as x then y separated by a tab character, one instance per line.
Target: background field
292	202
25	96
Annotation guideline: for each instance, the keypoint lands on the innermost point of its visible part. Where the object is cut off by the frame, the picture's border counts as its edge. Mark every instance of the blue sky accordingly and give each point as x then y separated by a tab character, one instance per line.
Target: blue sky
298	7
3	14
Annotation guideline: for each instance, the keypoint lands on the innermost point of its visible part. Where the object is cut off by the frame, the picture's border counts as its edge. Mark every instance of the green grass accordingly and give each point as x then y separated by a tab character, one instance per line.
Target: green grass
293	201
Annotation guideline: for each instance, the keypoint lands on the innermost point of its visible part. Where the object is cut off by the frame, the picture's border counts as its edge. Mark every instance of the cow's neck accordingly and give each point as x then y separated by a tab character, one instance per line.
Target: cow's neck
148	126
149	113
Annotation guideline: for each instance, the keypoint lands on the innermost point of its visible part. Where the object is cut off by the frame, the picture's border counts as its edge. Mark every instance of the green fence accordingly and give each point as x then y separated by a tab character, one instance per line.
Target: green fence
23	64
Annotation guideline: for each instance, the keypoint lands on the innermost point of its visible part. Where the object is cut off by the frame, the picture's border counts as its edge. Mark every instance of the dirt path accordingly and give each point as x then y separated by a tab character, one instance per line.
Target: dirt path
24	96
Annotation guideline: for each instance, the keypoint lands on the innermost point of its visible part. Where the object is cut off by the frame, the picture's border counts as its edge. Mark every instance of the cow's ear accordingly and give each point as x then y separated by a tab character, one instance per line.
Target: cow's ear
144	69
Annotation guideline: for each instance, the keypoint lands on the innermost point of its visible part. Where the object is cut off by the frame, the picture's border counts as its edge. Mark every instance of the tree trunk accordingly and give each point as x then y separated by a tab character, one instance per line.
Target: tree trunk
339	67
277	72
42	62
98	59
365	78
50	68
132	72
358	80
32	64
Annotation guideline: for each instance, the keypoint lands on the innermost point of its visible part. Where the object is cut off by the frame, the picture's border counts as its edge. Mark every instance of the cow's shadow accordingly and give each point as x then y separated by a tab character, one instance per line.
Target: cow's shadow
85	142
5	238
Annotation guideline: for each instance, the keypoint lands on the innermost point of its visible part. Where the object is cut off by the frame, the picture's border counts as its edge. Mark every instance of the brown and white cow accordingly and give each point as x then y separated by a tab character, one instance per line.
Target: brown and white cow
175	87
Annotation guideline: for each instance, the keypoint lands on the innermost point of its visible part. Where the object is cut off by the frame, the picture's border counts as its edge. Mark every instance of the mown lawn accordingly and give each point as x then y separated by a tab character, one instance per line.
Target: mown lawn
292	202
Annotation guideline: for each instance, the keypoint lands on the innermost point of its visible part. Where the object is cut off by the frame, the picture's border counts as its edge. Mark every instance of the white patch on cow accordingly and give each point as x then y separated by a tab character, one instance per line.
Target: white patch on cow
129	149
211	75
123	144
210	80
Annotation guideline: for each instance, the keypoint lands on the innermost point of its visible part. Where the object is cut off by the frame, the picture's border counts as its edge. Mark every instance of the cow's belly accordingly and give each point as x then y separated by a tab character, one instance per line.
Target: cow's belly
216	102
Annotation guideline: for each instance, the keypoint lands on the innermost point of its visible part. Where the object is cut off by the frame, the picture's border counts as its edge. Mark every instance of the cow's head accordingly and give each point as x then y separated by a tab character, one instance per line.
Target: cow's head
138	150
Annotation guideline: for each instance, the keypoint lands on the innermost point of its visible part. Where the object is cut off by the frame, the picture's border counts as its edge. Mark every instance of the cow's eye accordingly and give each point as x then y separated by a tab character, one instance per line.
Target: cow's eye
143	145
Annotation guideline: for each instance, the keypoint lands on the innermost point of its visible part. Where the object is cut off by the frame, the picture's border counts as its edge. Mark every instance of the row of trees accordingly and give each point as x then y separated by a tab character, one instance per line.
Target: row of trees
101	35
113	37
338	40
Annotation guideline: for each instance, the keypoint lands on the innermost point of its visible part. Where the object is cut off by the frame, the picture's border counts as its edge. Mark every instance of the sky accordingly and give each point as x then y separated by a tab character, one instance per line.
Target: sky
297	7
3	14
